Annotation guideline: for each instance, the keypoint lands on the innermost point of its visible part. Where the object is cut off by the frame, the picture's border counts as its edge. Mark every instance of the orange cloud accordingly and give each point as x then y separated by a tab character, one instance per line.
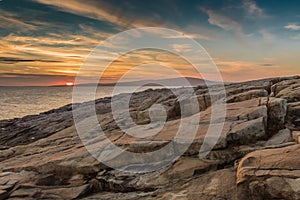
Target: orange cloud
101	10
243	70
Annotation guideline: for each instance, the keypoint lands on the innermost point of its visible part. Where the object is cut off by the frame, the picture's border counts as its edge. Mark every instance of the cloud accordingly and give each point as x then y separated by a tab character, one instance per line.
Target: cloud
60	54
267	64
21	79
221	21
104	11
93	33
292	26
267	36
89	10
118	16
224	22
11	60
11	21
182	48
246	70
199	32
252	9
29	75
191	35
53	39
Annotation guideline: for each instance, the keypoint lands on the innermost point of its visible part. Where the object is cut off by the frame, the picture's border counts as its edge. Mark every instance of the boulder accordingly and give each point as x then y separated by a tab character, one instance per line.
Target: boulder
276	88
277	109
270	174
293	116
247	132
290	91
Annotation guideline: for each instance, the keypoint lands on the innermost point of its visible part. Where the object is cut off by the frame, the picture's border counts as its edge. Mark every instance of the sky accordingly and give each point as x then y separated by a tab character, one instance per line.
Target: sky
44	42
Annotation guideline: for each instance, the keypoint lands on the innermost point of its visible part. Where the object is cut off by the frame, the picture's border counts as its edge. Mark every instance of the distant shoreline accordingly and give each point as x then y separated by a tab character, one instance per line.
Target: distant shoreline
166	82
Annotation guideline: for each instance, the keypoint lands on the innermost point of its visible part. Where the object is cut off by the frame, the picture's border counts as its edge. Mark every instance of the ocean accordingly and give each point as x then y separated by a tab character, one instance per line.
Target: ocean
16	102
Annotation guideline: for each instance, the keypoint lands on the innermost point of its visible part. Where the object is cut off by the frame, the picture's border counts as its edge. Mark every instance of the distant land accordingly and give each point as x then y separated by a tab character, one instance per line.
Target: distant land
176	82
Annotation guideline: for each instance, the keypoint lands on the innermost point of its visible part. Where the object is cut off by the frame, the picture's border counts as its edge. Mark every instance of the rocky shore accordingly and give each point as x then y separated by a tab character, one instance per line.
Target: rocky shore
256	157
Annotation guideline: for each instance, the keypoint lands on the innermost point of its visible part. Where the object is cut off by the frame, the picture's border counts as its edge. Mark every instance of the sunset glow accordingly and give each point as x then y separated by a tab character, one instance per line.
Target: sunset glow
69	83
247	39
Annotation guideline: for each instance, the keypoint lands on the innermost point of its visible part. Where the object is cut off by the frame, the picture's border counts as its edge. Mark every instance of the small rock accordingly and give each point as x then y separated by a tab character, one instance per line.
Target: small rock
77	179
281	137
24	192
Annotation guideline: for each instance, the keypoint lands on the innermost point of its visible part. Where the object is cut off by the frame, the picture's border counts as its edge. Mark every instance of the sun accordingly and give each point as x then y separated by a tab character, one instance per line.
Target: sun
69	83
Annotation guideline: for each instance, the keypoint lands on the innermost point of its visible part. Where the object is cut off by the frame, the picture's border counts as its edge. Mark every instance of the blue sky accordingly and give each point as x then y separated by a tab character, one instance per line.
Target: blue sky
44	42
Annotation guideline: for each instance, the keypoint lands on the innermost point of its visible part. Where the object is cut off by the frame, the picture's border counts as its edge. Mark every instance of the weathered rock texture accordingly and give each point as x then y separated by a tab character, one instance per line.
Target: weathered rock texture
256	157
